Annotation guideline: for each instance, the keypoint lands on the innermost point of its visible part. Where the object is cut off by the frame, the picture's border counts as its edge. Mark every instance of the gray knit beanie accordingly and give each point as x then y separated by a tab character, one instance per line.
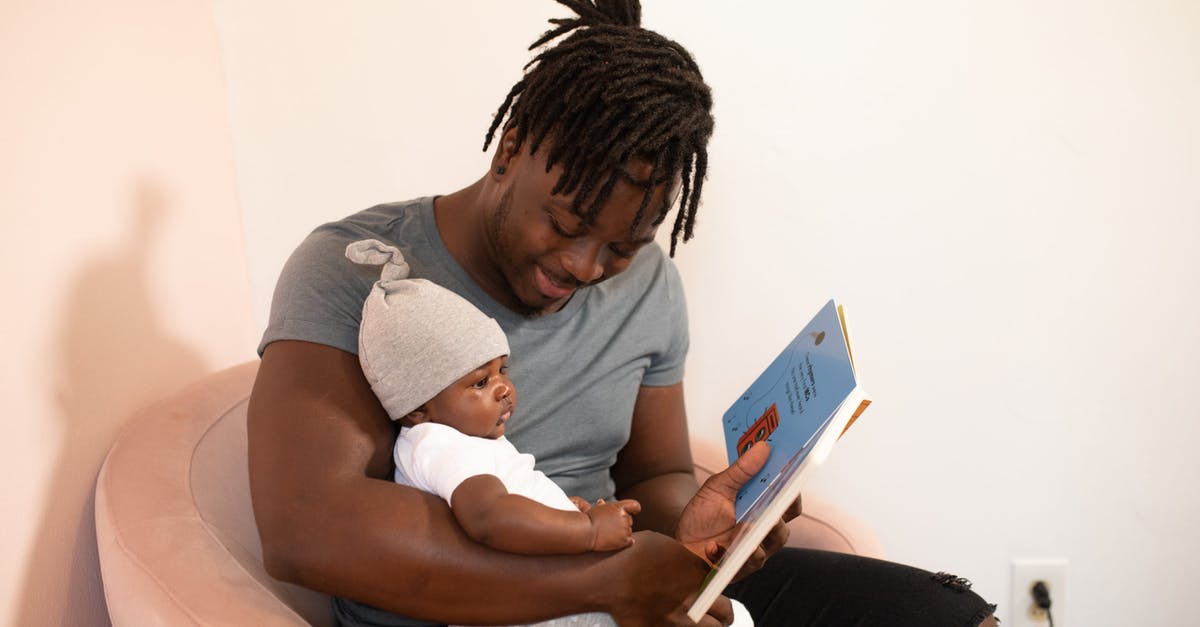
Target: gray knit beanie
417	337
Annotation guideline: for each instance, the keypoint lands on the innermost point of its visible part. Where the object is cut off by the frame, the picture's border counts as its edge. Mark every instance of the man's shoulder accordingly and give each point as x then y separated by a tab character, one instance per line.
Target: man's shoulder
385	220
319	295
400	224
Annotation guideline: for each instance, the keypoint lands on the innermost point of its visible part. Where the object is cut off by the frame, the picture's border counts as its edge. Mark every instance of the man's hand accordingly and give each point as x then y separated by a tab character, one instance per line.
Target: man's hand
612	524
708	524
656	574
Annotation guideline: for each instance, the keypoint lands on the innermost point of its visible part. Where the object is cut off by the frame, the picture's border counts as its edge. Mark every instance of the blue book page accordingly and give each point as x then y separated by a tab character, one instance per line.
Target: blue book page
790	403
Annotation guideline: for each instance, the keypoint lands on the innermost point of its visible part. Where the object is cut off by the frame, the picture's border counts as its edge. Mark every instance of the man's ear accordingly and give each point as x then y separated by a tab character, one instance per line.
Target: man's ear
416	417
506	149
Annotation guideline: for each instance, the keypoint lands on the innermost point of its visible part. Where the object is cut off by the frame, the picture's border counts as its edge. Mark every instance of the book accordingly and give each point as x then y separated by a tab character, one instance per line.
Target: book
800	404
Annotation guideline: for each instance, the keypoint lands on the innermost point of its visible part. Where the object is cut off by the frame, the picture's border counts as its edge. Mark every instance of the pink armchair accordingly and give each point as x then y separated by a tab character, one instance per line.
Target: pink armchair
177	539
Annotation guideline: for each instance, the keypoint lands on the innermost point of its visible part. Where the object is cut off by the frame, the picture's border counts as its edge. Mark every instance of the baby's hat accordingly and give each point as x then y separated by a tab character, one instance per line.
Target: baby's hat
417	337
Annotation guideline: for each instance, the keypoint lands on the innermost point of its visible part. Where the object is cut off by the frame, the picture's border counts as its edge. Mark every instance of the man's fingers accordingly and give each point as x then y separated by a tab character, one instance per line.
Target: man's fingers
714	551
719	615
721	611
705	621
729	481
794	510
776	538
756	560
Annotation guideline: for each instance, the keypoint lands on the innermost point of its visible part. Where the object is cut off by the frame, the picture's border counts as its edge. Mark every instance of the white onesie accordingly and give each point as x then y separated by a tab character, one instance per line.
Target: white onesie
437	459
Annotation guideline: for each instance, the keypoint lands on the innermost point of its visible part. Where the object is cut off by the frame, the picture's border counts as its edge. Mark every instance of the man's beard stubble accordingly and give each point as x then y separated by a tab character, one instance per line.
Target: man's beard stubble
503	244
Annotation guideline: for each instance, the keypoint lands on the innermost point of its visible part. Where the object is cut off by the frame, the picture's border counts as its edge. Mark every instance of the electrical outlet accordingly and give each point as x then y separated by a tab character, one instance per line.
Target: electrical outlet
1026	572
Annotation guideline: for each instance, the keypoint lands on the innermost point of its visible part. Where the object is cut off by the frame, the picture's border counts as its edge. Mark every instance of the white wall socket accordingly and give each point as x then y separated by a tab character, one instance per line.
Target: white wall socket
1027	571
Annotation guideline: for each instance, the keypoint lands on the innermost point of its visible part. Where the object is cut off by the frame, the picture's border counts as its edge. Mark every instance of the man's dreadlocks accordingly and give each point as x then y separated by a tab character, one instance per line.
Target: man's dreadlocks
607	93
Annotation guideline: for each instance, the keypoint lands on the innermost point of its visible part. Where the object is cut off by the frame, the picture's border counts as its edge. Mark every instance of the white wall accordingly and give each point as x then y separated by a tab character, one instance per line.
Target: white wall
339	106
1002	194
121	254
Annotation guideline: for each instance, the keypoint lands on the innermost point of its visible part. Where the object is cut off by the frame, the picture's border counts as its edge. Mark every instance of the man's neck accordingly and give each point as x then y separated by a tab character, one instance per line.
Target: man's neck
460	220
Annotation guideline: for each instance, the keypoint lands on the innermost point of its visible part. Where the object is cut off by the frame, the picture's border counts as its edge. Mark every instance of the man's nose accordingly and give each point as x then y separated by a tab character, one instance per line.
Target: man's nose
584	261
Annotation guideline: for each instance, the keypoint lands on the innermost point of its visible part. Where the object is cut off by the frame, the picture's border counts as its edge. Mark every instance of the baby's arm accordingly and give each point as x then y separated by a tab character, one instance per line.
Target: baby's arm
514	523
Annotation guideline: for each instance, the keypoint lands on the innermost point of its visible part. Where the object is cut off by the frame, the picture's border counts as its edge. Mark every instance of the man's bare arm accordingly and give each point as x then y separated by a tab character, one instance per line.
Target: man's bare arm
331	519
655	467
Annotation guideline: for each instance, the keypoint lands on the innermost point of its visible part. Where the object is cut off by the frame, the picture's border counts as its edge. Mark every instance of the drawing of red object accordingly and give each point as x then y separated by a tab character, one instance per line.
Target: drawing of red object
760	430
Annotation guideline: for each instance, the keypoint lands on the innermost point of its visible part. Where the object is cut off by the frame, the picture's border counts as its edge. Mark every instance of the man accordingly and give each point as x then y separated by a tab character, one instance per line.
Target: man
605	132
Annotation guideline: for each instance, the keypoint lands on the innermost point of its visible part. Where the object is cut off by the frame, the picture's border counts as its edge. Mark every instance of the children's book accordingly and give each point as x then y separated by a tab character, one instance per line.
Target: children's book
800	404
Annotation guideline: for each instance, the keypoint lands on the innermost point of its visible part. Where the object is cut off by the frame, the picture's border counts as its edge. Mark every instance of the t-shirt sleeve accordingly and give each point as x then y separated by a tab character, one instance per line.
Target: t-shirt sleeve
320	294
442	458
667	364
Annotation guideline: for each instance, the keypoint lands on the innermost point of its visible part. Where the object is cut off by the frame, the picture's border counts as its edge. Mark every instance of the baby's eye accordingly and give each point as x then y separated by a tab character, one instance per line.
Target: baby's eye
480	384
504	369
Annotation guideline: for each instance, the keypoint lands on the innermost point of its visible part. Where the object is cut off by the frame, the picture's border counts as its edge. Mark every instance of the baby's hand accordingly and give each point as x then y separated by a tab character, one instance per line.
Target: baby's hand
612	524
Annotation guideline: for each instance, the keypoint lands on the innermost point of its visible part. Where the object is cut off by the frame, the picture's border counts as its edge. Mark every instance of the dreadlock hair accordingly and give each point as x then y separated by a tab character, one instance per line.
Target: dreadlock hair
608	92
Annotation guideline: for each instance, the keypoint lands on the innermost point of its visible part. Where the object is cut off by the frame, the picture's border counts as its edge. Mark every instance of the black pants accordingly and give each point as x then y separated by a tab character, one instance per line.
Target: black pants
799	587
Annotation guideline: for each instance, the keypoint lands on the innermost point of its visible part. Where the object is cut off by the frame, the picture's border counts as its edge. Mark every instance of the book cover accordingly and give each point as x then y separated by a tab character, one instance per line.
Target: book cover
791	401
800	404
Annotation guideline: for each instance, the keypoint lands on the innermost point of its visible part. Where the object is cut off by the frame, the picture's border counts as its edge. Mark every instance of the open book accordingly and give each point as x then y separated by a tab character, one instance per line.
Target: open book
800	404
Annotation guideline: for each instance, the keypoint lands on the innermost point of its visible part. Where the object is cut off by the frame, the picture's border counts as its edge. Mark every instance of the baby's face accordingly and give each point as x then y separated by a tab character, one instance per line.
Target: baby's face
479	403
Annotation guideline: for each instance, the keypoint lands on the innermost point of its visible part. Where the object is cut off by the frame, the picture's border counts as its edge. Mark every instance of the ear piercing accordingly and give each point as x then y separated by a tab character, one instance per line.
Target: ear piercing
500	170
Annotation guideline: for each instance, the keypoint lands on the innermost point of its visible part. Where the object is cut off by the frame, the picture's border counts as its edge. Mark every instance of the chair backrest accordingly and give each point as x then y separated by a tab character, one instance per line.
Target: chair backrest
176	533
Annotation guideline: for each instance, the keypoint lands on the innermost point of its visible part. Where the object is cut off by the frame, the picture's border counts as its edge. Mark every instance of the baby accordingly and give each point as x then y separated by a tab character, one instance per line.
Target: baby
440	368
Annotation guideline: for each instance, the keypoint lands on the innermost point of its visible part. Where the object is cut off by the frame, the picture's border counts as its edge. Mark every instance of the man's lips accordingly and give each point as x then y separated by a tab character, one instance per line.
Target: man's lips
550	287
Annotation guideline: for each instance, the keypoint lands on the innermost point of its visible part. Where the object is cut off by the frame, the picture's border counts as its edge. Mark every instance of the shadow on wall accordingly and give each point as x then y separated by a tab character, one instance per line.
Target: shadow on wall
113	357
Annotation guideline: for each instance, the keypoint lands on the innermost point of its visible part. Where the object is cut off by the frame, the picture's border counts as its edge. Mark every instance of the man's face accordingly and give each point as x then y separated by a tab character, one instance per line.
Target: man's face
545	252
477	404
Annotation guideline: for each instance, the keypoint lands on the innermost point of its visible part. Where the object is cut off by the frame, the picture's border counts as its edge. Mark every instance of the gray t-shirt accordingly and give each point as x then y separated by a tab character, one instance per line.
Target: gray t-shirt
577	371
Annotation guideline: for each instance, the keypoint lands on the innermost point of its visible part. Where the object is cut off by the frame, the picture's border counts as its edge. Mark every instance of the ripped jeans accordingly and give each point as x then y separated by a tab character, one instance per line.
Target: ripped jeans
799	587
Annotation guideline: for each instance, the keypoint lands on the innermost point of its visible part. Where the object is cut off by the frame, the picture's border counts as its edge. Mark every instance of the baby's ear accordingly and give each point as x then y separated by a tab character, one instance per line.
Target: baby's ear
415	417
